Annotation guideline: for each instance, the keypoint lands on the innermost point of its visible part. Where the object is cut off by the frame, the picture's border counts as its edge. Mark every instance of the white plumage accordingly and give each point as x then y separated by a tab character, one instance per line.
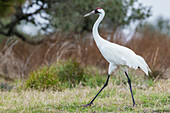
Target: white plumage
115	54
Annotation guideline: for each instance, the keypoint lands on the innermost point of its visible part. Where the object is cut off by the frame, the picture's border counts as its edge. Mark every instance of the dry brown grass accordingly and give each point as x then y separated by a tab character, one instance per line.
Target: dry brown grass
19	59
155	48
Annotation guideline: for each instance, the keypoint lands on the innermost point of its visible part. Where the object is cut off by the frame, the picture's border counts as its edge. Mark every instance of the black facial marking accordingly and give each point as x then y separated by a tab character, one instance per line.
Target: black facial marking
96	11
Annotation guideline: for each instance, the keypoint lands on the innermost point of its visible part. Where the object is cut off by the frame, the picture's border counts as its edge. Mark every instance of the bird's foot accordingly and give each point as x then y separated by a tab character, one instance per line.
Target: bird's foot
87	105
134	105
131	107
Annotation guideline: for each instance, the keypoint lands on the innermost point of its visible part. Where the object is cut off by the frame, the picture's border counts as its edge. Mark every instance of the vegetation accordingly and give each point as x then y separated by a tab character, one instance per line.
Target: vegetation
160	26
66	15
155	38
48	82
61	76
7	7
150	96
25	58
119	14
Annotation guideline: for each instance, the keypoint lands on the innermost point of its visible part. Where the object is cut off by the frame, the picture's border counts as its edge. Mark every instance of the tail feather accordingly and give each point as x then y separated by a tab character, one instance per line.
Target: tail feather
143	65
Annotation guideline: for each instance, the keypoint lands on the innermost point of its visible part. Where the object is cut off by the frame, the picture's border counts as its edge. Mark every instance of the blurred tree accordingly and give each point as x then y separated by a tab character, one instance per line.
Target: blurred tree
119	13
160	26
7	7
17	12
67	15
163	25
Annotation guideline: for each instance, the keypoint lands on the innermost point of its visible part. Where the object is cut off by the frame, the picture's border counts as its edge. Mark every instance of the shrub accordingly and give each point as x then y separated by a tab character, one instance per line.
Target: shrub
61	75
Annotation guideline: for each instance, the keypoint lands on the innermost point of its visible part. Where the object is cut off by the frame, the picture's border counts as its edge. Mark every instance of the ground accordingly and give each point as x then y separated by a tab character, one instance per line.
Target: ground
150	96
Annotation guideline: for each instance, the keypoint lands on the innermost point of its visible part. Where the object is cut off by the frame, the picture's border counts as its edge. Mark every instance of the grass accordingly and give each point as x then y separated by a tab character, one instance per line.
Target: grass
150	96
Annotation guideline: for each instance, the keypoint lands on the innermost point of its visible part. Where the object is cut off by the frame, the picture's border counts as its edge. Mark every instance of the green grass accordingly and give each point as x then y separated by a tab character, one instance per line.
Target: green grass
150	96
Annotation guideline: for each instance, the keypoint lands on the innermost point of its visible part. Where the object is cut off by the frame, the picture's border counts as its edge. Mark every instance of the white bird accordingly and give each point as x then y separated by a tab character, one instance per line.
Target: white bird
115	54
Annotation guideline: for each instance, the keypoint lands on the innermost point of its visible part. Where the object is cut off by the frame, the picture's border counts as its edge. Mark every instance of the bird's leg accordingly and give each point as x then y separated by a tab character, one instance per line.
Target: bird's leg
98	92
129	82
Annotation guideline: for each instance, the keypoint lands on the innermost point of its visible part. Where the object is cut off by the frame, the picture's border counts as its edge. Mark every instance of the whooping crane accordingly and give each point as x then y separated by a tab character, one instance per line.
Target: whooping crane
115	54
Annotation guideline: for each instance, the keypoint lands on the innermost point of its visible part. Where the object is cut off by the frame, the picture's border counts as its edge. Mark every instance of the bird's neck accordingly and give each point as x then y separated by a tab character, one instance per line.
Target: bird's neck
98	39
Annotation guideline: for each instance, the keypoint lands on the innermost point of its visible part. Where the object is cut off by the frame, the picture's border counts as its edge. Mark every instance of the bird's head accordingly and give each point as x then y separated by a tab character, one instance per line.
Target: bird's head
98	10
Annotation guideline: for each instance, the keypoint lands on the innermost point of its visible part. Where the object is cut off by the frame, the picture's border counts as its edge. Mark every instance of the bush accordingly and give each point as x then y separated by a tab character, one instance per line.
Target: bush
62	75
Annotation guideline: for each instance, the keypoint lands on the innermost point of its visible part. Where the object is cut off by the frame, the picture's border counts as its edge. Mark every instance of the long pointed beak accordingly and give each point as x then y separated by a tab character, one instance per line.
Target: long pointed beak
88	14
